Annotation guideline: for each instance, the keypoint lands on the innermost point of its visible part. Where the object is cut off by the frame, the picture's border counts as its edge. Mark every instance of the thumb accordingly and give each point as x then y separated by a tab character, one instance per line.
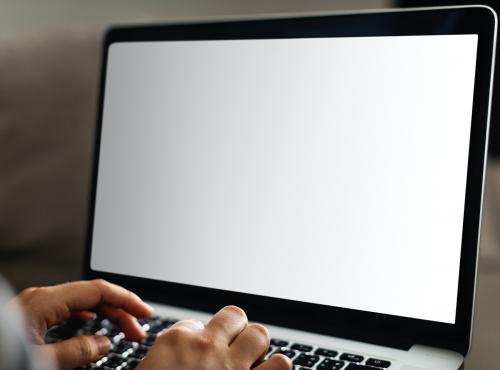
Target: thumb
79	351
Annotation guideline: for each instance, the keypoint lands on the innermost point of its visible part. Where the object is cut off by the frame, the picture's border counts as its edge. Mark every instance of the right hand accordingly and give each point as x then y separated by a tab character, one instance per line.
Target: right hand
228	342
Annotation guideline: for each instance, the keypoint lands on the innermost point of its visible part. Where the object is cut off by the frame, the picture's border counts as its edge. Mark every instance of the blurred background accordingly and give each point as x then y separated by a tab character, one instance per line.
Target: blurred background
49	72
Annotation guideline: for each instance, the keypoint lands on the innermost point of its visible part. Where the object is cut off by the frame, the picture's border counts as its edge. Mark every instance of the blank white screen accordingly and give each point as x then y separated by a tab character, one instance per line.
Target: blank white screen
328	170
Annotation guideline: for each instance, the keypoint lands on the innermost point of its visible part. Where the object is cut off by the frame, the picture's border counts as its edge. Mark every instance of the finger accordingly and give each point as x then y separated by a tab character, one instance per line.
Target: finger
79	351
83	315
190	324
276	362
127	323
251	345
228	323
83	295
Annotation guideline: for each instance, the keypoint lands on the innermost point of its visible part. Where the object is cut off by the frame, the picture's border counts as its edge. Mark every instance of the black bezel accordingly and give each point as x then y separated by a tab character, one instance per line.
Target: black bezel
398	332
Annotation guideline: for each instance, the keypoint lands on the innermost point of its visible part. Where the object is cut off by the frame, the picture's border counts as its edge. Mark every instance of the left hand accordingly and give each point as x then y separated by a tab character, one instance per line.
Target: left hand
49	306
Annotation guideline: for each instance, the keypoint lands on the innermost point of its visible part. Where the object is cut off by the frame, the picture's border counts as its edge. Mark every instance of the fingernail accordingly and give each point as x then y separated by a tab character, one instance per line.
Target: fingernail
103	344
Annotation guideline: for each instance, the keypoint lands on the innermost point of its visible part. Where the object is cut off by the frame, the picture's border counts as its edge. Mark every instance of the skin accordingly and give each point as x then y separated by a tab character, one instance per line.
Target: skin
227	342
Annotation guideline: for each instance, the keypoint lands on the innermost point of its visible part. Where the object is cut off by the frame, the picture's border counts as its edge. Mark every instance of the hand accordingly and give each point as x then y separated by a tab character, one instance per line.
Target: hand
226	343
46	307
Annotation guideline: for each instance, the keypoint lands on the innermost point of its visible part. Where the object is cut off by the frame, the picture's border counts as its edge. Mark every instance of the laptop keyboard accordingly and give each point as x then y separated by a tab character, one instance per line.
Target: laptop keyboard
126	355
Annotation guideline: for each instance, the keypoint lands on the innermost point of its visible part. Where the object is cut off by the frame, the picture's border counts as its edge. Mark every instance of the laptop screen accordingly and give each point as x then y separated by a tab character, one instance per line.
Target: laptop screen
322	170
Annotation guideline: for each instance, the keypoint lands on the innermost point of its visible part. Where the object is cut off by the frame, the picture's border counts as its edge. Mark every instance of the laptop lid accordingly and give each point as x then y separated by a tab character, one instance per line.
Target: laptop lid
324	172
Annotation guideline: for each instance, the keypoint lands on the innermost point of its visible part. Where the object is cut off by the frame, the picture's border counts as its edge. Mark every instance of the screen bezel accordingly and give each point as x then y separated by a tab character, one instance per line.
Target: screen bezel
382	329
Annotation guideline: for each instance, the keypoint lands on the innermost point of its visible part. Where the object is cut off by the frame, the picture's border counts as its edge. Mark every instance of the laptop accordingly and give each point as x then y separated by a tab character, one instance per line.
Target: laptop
324	172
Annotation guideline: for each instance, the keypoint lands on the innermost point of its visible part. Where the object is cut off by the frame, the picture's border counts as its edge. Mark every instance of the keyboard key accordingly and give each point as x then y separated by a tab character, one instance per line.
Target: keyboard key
302	347
76	323
115	361
166	323
124	347
351	357
140	352
157	322
132	364
105	323
279	342
287	352
62	332
306	360
359	367
144	321
329	364
156	329
113	333
149	340
91	327
378	363
326	352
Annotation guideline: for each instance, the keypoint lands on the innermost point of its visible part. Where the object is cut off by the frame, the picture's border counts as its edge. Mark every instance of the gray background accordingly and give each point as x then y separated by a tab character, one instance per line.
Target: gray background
49	66
24	15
